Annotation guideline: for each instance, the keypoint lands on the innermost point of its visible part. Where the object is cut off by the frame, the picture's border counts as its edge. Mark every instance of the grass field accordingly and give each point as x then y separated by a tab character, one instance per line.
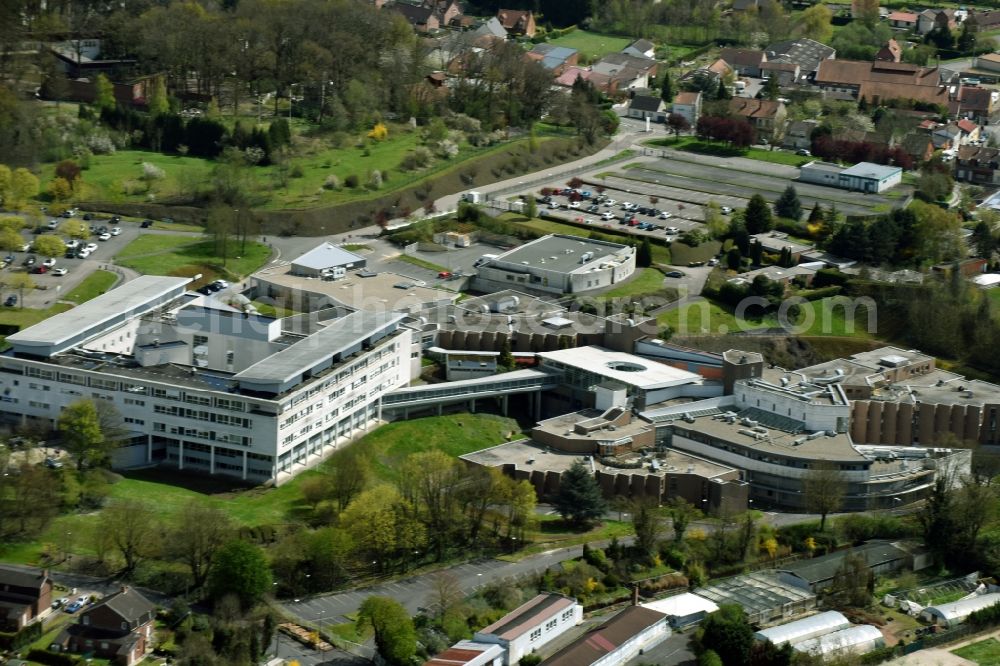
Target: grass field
693	144
592	45
422	263
646	281
117	178
826	317
682	255
984	653
24	317
182	255
92	286
168	492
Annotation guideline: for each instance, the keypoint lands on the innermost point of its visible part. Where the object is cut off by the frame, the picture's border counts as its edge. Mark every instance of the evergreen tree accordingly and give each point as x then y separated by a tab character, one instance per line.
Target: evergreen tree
579	498
785	260
758	215
788	204
531	207
771	89
506	359
157	101
966	40
667	91
756	253
105	93
644	255
983	240
816	214
728	633
723	91
733	259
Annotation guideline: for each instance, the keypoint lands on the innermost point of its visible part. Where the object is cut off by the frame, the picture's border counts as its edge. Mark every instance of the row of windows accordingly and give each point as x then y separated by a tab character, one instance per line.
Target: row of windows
211	435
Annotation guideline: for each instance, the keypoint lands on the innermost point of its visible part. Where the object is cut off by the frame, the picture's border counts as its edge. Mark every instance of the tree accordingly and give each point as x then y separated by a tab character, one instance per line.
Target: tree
54	85
727	632
937	519
200	531
315	489
239	569
678	123
350	471
788	204
647	525
133	529
157	102
579	498
667	91
59	189
49	246
814	23
771	89
531	207
716	223
24	186
983	240
220	227
506	358
824	486
104	97
722	92
430	481
10	240
81	431
644	254
444	595
853	583
70	171
757	215
395	636
681	513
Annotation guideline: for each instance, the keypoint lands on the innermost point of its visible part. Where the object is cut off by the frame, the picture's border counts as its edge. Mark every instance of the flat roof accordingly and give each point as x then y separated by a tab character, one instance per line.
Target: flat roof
326	255
632	370
339	335
355	291
817	165
871	170
520	452
563	253
682	605
98	311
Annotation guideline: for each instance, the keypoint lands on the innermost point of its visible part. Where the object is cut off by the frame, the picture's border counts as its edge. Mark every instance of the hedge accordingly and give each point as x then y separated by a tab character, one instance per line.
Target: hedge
819	294
18	639
54	658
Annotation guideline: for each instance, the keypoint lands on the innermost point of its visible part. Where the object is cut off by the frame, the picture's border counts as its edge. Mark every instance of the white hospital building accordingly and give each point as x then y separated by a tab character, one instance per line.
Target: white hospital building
205	387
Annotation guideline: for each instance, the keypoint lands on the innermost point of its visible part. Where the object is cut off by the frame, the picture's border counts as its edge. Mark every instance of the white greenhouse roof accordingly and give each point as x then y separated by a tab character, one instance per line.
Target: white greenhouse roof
804	629
987	279
957	610
860	639
682	605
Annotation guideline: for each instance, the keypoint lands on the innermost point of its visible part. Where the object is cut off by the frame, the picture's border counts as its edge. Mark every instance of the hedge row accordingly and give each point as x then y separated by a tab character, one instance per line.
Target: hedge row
18	639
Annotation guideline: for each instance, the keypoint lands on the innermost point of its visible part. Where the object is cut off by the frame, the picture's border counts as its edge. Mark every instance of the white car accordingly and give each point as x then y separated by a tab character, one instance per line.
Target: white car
90	247
72	244
673	230
25	247
574	205
553	205
726	210
607	215
665	215
610	202
59	272
222	284
49	263
83	254
53	224
115	231
104	237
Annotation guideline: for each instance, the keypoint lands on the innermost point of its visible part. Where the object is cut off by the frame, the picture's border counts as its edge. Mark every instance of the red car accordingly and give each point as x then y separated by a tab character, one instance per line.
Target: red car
444	275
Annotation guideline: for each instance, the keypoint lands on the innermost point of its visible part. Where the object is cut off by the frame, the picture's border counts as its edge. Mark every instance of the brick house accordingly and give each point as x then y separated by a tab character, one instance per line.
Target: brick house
767	116
903	20
423	19
978	164
25	594
890	52
517	21
118	628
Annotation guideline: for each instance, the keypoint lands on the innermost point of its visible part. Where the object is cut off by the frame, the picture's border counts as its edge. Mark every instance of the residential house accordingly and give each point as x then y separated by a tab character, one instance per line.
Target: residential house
879	82
641	48
81	58
799	274
767	116
448	12
978	164
983	21
518	22
25	594
890	52
423	19
613	63
745	62
532	625
774	242
616	641
946	137
978	104
903	20
969	131
491	30
967	268
647	106
936	19
787	73
118	628
804	52
469	653
554	58
798	134
917	145
988	61
688	104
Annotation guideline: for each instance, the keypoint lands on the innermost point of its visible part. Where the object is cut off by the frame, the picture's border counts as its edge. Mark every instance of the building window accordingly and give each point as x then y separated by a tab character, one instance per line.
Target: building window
551	624
567	615
536	634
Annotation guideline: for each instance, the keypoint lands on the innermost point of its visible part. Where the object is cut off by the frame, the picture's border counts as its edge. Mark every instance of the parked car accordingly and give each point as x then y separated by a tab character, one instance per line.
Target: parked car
116	219
674	274
60	602
673	230
9	258
88	217
610	202
11	301
104	237
53	224
49	263
72	244
695	264
53	463
90	247
574	204
146	224
664	215
59	272
83	253
40	270
221	284
726	210
73	607
26	247
607	215
803	152
29	260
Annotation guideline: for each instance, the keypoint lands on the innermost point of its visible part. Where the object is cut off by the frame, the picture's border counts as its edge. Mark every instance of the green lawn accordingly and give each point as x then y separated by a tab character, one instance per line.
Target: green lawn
592	45
647	282
552	533
116	178
92	286
682	255
155	244
422	263
984	653
273	310
179	256
24	317
693	144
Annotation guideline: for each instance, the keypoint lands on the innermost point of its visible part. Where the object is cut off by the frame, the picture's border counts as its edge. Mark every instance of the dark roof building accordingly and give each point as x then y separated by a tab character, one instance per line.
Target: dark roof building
118	628
804	52
24	595
880	556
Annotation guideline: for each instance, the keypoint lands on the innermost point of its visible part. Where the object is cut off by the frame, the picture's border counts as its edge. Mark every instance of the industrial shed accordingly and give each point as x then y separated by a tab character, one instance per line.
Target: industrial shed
955	613
683	609
859	639
804	629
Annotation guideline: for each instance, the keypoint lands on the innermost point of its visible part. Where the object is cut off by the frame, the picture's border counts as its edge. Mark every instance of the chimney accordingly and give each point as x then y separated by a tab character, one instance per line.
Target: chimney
124	589
635	595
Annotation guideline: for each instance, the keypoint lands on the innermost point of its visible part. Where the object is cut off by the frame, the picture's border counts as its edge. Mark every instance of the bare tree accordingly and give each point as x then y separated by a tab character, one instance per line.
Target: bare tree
133	529
201	530
824	486
444	595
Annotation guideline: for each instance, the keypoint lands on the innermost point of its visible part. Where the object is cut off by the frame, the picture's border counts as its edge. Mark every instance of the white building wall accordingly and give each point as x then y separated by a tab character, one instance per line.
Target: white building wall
651	637
815	416
529	641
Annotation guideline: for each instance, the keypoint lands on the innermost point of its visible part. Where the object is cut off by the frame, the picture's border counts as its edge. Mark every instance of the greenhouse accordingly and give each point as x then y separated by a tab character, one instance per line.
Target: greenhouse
804	629
954	613
859	639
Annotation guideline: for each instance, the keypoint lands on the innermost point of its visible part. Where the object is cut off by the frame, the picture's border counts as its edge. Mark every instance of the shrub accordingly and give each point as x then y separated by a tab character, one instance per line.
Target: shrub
297	171
53	658
417	158
448	149
352	181
375	179
331	182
